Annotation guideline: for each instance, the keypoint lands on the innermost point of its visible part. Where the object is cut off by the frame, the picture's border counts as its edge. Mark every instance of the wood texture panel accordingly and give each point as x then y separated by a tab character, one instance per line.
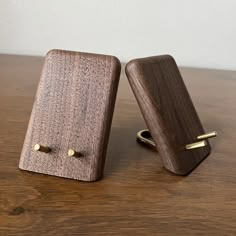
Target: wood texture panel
168	111
73	108
136	196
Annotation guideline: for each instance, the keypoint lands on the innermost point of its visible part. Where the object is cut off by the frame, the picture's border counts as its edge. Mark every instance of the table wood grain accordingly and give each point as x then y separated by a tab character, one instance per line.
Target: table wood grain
137	196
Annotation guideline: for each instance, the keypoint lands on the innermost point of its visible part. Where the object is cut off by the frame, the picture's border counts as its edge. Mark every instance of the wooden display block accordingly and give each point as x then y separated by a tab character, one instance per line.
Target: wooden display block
167	108
71	118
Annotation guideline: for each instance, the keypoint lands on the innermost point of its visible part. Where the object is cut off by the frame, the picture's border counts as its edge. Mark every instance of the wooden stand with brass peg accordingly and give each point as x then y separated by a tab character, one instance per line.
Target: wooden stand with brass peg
73	108
175	128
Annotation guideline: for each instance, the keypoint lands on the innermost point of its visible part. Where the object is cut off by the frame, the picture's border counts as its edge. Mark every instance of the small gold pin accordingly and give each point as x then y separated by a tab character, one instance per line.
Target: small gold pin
40	148
196	145
207	135
73	153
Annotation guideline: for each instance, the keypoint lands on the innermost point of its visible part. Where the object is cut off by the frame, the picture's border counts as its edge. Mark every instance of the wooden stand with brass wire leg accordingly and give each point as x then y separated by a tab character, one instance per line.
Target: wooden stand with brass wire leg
169	113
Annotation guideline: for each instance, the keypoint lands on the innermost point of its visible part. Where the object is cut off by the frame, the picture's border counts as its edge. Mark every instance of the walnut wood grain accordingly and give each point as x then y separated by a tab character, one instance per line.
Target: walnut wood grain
168	111
136	196
73	108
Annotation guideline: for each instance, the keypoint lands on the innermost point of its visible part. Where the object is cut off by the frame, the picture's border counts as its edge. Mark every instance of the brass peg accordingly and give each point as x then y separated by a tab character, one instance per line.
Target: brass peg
40	148
73	153
207	135
196	145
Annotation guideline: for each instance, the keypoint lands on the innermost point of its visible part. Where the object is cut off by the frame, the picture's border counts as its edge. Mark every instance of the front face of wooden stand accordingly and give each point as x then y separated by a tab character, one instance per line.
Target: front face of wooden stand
70	122
169	112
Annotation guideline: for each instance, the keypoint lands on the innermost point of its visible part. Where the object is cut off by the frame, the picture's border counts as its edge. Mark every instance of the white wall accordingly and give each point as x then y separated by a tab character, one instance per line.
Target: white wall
200	33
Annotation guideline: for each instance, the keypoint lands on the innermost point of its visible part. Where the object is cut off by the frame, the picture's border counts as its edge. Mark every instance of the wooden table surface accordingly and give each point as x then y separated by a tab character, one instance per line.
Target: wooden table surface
137	196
